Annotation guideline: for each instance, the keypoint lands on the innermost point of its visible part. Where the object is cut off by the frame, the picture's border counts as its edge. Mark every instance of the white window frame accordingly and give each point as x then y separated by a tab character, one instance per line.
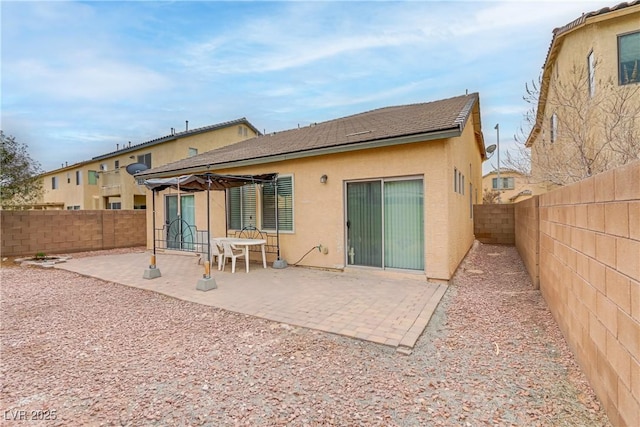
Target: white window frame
262	207
455	180
245	204
591	66
142	158
256	208
624	73
95	175
506	182
554	128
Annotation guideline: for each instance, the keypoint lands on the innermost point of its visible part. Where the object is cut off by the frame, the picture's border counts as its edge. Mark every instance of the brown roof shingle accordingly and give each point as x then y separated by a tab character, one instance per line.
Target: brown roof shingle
375	125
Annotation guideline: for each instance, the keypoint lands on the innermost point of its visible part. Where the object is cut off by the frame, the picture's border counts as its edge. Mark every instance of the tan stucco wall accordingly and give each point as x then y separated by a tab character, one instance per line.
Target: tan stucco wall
68	192
463	154
599	35
319	208
117	183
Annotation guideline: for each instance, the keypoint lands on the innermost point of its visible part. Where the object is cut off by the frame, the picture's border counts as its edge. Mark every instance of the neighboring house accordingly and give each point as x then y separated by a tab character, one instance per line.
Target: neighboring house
391	188
588	113
103	182
512	185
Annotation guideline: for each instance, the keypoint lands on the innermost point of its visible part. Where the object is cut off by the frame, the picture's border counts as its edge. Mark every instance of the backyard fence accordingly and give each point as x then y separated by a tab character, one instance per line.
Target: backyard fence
581	247
58	231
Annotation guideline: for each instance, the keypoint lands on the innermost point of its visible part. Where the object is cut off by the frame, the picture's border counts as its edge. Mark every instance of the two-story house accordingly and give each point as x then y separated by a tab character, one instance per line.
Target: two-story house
510	186
588	107
103	182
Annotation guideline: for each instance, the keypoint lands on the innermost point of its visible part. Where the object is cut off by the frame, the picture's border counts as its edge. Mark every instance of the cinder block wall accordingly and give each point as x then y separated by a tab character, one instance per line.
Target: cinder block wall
590	277
30	232
494	224
527	233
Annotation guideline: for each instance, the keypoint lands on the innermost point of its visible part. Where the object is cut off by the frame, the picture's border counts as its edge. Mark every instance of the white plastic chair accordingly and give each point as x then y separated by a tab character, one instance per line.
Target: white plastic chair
215	252
230	252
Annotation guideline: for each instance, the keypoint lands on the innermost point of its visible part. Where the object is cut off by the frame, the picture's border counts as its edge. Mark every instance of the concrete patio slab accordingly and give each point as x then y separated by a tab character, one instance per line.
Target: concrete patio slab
390	308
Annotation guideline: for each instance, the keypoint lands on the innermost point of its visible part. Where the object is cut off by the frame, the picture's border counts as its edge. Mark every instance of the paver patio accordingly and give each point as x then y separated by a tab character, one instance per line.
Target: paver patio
390	308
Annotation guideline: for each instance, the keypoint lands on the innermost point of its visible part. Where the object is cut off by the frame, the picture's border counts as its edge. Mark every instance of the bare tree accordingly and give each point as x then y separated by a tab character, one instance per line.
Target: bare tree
585	132
521	160
490	197
20	183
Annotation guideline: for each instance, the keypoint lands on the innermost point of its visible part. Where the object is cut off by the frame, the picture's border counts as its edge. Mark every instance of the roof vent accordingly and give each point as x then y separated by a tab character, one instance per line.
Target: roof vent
359	133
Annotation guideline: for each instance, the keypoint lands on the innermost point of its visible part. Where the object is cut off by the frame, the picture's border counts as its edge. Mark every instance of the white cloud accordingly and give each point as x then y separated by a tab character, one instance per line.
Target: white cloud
82	73
505	109
97	80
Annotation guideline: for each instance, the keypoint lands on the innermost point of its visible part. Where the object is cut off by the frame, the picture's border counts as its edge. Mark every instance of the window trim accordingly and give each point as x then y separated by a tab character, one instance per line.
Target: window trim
293	210
142	159
619	63
508	183
242	199
258	208
591	73
455	180
93	181
553	128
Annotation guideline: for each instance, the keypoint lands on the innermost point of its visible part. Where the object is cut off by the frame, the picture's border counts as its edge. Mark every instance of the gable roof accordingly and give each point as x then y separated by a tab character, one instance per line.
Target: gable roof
381	127
554	50
172	137
504	170
177	135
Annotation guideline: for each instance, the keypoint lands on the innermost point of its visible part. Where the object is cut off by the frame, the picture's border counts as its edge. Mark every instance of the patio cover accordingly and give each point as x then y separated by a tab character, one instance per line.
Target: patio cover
207	181
204	182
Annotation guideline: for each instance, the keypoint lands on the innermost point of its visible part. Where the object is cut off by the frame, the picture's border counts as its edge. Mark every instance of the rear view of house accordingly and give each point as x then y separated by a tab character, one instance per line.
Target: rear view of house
391	188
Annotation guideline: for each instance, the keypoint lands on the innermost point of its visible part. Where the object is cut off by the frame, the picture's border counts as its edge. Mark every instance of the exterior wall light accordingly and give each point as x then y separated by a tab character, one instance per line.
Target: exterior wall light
323	179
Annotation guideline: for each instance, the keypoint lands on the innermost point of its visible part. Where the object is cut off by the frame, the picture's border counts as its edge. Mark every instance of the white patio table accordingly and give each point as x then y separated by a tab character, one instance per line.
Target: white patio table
245	243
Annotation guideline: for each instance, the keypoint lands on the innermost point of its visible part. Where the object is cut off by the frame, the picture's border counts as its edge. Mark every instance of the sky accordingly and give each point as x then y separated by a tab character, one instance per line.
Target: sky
78	78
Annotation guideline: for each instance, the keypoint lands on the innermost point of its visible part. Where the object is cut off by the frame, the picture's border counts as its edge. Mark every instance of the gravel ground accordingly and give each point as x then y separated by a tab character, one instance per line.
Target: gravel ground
96	353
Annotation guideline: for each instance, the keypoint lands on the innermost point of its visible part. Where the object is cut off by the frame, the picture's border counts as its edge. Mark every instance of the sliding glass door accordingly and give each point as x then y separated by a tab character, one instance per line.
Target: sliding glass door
364	223
404	224
385	223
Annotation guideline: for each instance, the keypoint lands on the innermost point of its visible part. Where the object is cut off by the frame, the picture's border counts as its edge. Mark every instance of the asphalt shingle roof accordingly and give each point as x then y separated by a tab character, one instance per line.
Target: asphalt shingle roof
375	125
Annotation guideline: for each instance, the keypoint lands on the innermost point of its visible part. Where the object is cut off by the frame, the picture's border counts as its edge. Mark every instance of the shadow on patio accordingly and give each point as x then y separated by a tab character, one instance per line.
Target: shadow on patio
387	308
